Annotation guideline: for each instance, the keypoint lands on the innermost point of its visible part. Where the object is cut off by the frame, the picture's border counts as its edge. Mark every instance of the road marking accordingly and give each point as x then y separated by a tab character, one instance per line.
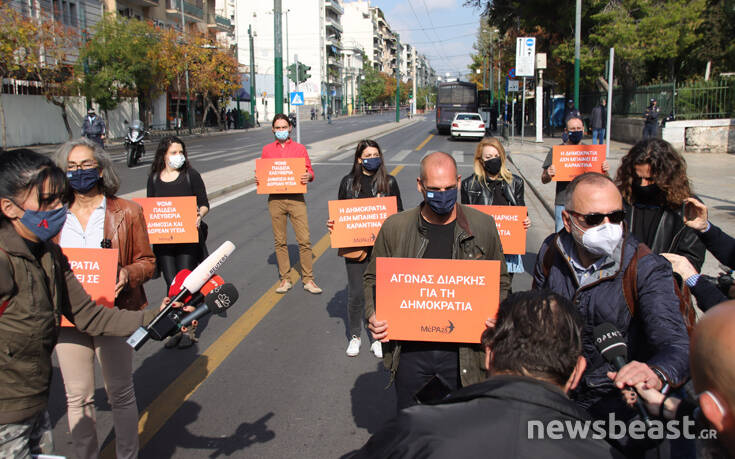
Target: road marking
400	156
342	156
458	156
423	144
158	412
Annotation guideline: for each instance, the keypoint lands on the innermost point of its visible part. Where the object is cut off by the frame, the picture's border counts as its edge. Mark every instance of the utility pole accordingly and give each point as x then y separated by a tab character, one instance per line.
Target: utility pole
398	78
186	74
298	108
288	85
577	40
253	98
278	59
414	99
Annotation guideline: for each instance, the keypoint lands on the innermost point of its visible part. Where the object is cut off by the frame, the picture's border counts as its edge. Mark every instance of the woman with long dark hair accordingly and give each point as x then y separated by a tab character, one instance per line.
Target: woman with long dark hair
367	179
492	184
653	180
37	287
97	218
171	175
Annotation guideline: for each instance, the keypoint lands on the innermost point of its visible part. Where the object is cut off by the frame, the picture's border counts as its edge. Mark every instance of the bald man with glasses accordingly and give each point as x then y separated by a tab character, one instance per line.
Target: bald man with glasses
587	262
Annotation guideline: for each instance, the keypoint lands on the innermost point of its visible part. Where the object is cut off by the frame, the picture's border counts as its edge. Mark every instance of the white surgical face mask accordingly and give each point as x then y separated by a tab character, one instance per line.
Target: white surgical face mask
599	240
176	161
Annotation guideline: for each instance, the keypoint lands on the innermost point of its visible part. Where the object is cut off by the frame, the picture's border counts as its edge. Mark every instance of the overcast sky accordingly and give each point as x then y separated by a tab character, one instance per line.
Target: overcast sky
443	30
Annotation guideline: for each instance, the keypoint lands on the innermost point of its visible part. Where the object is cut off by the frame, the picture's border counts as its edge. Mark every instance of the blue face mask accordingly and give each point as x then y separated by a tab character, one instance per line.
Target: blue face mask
281	135
371	164
575	137
441	202
45	224
83	180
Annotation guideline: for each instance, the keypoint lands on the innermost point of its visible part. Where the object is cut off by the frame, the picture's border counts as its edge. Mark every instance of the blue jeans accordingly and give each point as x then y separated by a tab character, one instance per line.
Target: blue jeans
558	222
598	136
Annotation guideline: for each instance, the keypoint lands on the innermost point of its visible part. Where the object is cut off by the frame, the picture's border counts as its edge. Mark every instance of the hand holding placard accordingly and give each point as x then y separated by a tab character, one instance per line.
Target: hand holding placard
171	220
511	223
356	222
96	270
570	161
281	176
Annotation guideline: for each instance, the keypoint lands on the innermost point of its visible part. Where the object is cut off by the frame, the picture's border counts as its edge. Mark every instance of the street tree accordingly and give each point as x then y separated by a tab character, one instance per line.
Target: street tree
372	86
214	74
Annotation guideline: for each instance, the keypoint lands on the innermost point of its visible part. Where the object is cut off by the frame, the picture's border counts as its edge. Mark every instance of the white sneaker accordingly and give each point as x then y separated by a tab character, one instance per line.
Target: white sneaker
354	347
377	349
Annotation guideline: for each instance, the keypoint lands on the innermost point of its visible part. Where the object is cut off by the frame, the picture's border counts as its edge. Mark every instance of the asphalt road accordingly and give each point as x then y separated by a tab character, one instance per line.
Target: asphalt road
272	380
213	152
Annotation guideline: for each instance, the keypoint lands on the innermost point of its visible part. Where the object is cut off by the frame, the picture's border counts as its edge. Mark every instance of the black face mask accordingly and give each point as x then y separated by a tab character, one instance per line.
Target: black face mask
649	194
492	165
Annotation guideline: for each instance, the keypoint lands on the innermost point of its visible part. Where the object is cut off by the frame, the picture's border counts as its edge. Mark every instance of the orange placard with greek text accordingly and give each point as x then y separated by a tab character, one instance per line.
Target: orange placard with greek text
436	300
357	221
573	160
280	176
171	220
509	221
96	270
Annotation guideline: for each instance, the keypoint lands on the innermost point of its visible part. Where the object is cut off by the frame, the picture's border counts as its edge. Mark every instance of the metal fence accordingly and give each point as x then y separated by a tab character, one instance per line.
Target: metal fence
691	100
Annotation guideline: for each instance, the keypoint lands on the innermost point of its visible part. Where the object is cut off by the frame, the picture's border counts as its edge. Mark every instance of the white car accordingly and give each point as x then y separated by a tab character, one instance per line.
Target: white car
467	125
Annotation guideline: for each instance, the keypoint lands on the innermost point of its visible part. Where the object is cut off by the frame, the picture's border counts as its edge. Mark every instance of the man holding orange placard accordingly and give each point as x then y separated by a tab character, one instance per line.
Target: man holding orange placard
438	229
283	206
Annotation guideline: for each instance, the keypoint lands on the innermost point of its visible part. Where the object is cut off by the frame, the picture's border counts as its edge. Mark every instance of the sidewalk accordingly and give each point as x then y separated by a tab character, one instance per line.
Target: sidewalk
711	176
228	179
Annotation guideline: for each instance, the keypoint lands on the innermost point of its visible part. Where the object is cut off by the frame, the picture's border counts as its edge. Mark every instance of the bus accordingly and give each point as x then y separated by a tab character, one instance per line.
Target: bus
454	97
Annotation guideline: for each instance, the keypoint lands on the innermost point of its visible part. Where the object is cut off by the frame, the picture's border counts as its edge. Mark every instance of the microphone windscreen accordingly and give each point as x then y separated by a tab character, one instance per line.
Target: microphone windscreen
206	268
610	342
221	298
178	283
213	282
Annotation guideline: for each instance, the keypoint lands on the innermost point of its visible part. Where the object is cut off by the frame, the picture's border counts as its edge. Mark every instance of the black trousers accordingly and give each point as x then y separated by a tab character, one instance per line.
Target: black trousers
650	131
172	258
419	362
355	296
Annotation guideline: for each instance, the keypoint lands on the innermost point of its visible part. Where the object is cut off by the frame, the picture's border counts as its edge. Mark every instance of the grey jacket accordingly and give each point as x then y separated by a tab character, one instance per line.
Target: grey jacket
403	235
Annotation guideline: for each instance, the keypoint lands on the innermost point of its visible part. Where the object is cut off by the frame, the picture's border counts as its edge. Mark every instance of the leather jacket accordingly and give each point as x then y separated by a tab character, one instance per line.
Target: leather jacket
673	236
475	192
346	191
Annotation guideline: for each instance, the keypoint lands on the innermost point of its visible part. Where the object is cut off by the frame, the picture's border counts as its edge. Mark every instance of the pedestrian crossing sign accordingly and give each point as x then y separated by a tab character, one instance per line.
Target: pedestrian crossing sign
297	98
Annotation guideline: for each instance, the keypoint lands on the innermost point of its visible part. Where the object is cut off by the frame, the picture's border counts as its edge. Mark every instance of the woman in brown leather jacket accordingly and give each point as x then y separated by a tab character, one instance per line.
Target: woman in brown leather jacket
37	286
98	219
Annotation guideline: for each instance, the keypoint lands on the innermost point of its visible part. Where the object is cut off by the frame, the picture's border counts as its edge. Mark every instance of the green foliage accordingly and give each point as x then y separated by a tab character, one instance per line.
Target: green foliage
372	86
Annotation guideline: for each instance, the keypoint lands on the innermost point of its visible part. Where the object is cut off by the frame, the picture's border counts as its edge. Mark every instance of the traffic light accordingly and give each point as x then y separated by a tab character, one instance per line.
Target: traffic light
292	73
304	72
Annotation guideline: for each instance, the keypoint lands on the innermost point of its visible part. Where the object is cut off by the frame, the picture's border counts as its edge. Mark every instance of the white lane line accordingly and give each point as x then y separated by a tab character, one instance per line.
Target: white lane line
342	156
400	156
458	156
218	202
236	154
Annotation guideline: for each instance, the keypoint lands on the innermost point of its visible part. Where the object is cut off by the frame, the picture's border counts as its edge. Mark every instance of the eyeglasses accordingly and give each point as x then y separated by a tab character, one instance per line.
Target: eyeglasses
615	216
86	165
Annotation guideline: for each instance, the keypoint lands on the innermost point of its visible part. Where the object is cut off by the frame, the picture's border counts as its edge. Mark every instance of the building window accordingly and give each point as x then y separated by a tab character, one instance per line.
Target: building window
66	12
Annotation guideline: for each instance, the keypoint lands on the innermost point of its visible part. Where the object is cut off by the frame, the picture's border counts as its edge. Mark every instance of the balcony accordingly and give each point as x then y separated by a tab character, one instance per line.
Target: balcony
219	23
335	6
142	3
333	62
334	23
192	12
334	41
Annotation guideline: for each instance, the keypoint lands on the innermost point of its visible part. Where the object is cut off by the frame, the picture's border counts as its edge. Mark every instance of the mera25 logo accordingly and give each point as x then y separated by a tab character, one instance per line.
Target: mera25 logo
438	328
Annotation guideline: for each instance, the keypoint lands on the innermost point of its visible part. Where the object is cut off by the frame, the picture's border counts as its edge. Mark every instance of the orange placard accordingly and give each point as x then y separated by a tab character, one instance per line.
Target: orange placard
357	221
280	176
509	221
436	300
573	160
171	220
96	270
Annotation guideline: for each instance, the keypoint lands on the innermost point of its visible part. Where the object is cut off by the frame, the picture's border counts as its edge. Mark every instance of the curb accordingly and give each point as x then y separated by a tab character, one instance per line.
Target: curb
543	201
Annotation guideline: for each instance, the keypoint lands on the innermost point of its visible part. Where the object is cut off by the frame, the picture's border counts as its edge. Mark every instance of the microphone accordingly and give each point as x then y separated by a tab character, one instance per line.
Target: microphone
610	344
191	284
218	300
168	324
177	283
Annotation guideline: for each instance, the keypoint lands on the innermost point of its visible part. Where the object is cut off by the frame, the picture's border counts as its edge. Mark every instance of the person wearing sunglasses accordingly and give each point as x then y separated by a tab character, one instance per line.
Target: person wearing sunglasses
653	180
587	262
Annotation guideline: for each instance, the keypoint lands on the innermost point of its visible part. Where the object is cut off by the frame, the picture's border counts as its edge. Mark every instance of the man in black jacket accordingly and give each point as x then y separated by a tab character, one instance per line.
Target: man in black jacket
534	359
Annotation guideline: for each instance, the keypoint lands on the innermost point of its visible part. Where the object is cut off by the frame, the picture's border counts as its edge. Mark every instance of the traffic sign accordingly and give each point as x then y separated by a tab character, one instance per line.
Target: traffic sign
525	56
513	86
297	98
512	73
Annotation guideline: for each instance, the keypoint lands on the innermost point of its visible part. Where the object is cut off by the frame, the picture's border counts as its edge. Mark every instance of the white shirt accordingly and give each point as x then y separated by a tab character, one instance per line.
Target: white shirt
74	236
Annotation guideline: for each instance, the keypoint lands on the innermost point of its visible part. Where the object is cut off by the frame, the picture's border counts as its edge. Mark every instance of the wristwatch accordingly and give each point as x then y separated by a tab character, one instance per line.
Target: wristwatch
664	381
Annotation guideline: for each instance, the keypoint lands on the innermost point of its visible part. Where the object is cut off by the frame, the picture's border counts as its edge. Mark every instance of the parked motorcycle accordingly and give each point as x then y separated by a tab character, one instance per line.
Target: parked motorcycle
134	148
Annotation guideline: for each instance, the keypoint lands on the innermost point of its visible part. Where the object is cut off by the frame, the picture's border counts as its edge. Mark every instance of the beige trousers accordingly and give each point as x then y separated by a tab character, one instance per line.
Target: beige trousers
282	207
76	352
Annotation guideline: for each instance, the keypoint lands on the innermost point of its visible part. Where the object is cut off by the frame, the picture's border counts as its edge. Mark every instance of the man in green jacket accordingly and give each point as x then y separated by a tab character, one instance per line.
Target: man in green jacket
438	228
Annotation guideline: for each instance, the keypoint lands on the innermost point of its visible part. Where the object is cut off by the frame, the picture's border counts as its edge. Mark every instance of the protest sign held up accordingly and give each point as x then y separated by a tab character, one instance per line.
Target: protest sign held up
96	270
357	221
509	221
170	220
573	160
280	176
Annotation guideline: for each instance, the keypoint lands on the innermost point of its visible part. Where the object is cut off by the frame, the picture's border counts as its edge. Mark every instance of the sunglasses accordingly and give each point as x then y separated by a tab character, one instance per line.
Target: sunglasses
615	216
